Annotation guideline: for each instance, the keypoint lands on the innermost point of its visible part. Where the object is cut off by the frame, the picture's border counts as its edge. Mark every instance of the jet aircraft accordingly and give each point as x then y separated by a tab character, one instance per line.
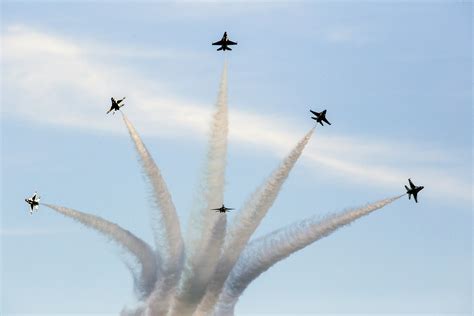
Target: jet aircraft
413	189
224	43
222	209
320	117
33	202
116	105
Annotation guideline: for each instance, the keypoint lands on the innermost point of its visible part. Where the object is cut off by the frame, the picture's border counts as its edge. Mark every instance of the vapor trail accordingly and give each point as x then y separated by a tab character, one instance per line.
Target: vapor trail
165	225
207	228
246	222
149	262
264	252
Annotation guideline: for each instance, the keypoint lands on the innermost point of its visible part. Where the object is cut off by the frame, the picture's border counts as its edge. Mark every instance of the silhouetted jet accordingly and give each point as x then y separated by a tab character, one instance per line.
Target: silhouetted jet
224	43
320	117
222	209
413	189
33	202
115	105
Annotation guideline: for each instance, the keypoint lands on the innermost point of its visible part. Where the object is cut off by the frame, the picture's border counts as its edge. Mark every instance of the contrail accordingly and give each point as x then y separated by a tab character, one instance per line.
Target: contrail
146	257
264	252
165	224
207	228
246	222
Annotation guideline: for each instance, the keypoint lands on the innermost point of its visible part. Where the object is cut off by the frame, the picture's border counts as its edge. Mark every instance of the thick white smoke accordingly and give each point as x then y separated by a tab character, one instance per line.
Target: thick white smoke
246	222
165	225
146	257
264	252
219	264
207	228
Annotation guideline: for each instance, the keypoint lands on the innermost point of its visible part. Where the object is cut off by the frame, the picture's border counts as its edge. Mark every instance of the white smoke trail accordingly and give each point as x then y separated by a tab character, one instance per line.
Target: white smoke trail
138	310
264	252
246	222
146	257
206	227
165	225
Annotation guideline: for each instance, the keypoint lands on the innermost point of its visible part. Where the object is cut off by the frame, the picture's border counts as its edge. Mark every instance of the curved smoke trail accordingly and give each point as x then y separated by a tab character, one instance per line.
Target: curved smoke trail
264	252
246	222
207	228
145	256
165	225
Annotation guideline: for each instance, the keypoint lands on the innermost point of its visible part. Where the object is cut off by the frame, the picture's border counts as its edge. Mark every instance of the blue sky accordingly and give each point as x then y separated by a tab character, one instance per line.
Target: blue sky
395	77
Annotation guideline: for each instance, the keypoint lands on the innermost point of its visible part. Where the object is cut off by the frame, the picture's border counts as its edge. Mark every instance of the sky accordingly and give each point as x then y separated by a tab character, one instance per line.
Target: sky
395	77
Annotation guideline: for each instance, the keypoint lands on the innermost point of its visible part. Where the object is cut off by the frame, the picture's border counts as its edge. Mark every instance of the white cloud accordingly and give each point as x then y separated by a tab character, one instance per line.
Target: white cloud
55	81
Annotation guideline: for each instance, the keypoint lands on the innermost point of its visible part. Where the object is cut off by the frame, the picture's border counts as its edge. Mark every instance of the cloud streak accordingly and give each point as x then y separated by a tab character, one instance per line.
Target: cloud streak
41	79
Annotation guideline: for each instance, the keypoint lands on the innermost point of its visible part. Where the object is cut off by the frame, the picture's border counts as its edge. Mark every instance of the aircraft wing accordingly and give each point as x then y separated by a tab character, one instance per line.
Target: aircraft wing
411	184
34	196
324	119
215	209
315	113
415	197
218	43
231	43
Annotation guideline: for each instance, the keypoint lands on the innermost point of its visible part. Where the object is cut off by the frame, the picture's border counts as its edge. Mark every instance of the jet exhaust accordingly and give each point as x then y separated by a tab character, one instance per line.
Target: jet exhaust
266	251
165	225
207	229
145	256
246	222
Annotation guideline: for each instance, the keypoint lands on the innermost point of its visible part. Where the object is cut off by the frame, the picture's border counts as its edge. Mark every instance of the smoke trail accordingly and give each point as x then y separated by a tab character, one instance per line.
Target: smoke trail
165	225
138	310
147	259
207	228
246	222
264	252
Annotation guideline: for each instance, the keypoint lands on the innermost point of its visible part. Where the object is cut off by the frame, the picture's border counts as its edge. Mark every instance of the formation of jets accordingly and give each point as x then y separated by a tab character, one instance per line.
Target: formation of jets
33	202
224	43
222	209
116	105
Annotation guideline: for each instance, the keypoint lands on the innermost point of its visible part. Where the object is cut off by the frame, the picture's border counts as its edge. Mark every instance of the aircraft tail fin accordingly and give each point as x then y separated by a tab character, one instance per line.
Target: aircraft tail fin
314	118
406	188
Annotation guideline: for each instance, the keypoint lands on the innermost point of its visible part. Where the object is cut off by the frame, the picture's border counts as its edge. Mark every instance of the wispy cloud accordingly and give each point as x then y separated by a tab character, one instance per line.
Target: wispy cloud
52	80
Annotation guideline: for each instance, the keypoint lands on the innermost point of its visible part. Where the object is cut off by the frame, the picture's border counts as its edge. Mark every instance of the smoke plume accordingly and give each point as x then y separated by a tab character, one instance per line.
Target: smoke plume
246	222
148	261
264	252
165	225
207	229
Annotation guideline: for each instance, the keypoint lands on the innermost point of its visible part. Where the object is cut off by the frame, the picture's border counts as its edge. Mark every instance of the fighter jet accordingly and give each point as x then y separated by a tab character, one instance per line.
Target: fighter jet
222	209
413	189
115	105
224	43
320	117
33	202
